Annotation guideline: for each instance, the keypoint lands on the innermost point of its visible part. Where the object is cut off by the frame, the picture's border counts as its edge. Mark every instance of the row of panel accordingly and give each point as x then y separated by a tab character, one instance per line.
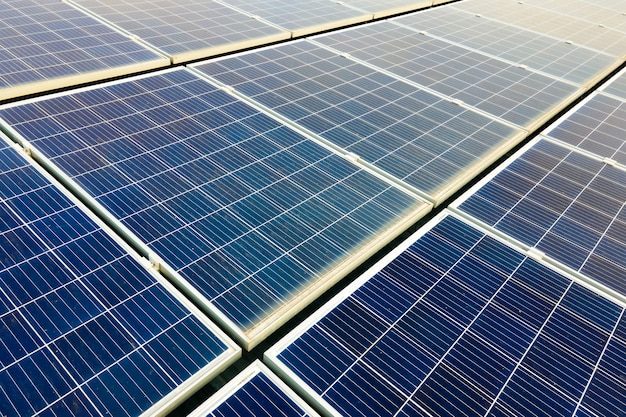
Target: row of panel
457	321
49	44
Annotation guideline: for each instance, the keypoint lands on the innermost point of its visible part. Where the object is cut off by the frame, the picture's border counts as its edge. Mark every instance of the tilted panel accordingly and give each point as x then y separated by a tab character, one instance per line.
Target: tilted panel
254	219
86	329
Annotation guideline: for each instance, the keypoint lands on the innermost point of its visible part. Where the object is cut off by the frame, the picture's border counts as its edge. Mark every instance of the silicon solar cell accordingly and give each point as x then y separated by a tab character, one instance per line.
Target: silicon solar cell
578	30
303	17
389	7
598	125
455	322
429	143
553	56
564	203
186	29
85	328
255	392
252	218
48	44
617	86
517	95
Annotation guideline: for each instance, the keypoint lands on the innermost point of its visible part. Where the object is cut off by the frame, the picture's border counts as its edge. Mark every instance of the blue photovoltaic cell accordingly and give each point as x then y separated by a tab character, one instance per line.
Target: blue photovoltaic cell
247	211
617	86
488	331
568	205
520	46
48	39
517	95
413	135
599	126
302	16
257	396
186	29
85	329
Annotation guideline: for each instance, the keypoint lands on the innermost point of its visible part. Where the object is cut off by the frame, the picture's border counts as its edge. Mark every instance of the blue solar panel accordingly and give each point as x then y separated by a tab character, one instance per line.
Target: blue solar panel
303	17
518	95
486	330
249	213
551	55
598	125
186	29
49	44
85	329
429	143
255	392
566	204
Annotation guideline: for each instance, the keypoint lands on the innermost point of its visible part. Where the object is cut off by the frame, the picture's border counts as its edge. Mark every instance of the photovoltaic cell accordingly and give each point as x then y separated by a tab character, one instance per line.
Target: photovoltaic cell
48	44
252	216
515	94
303	17
85	329
468	327
577	29
520	46
617	86
598	126
566	204
255	392
429	143
186	29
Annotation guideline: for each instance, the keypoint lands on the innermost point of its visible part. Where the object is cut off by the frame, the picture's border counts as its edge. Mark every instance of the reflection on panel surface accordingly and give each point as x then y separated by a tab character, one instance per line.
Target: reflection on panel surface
253	216
429	143
48	44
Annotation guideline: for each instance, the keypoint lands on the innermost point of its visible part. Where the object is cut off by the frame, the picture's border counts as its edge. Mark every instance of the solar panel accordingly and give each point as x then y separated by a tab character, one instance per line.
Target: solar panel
597	125
455	322
553	23
86	329
48	44
255	392
303	17
518	95
553	56
186	29
252	218
388	7
429	143
566	204
617	86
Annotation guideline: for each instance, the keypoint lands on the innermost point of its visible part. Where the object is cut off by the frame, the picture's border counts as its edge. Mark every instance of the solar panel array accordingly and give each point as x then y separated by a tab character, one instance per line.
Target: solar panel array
256	181
253	217
86	329
48	44
519	95
428	142
255	392
455	322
